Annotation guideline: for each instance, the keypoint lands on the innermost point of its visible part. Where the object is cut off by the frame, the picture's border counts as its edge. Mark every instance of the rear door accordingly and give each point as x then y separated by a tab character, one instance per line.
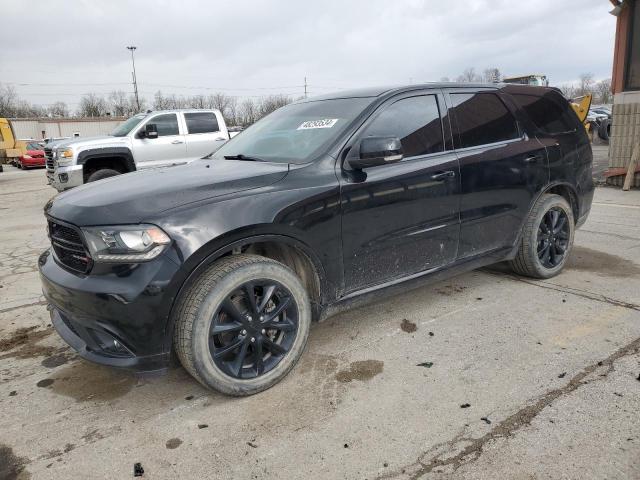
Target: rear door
402	218
167	149
204	133
501	168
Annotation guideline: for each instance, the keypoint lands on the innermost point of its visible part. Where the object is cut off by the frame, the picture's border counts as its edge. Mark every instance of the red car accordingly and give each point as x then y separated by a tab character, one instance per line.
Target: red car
34	157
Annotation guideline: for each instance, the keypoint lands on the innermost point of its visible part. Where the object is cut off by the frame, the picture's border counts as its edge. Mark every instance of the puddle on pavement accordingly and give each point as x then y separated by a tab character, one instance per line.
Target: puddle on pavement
85	382
451	289
12	467
362	370
408	326
595	261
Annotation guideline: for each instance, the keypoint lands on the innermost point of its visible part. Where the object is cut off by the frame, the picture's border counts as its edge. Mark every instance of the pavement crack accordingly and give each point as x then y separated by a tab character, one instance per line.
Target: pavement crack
473	447
18	307
572	291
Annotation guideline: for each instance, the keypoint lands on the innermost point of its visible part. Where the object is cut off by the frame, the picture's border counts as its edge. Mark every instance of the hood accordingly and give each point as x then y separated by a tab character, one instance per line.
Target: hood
35	152
137	197
80	143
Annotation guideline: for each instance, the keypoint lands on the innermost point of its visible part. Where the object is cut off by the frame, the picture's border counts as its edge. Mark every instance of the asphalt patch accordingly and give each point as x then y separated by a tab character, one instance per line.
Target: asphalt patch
11	466
595	261
173	443
408	326
362	371
45	383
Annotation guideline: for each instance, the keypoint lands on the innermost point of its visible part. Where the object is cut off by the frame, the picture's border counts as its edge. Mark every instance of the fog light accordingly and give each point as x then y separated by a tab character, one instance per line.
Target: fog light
64	178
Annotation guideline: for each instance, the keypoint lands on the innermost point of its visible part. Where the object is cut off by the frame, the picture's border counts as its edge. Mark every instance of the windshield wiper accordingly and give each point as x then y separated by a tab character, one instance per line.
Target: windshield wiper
247	158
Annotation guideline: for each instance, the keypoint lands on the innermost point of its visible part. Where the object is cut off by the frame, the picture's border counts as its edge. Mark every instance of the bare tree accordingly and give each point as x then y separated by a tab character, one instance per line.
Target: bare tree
272	103
603	90
58	109
8	101
492	75
248	112
92	105
468	76
119	103
586	84
568	90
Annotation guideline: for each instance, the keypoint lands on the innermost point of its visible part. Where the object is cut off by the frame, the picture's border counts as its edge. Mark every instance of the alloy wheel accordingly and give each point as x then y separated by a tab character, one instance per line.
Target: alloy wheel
253	329
553	237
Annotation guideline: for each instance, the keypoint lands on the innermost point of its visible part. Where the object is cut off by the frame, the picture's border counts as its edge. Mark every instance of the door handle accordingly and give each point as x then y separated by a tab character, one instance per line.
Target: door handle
177	142
443	175
219	139
532	159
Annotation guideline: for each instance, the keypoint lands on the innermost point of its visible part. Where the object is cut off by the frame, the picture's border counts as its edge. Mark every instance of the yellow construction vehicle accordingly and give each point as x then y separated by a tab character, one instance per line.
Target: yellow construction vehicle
581	106
9	148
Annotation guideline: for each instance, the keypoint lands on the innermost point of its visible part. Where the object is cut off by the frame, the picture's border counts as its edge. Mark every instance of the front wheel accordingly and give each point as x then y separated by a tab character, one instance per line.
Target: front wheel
243	324
547	238
102	173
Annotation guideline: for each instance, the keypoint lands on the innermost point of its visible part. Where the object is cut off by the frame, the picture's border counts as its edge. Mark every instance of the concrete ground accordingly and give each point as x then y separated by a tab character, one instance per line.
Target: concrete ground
486	375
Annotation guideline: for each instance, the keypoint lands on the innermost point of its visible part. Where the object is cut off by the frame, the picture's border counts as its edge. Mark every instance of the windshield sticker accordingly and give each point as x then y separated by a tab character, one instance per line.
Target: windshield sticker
324	123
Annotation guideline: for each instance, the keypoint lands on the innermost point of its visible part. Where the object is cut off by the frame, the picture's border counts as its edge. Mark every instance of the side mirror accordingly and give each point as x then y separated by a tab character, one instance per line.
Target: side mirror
376	151
150	130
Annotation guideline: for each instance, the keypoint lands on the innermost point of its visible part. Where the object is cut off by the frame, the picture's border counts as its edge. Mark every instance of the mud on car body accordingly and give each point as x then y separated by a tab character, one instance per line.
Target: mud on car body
325	202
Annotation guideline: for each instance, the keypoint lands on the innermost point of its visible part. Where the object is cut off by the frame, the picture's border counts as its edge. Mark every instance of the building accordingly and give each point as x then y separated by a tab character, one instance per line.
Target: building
40	128
625	85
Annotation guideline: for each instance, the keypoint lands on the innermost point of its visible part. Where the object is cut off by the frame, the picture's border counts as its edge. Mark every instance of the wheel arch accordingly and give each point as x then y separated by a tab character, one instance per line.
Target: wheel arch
118	158
286	249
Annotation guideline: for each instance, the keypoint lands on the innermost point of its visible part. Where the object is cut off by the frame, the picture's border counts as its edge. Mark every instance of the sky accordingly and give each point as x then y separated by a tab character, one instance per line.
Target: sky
58	50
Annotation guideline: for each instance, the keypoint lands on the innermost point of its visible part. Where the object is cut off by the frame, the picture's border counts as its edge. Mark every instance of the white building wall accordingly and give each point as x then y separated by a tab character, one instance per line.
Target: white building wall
34	128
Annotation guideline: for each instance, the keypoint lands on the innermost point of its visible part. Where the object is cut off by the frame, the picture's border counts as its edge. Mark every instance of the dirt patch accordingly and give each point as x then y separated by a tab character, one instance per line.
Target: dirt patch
173	443
24	343
362	370
86	382
12	467
408	326
589	260
449	290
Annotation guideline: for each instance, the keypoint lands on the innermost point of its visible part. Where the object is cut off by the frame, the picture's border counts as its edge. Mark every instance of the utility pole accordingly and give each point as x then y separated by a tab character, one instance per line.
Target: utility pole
135	81
305	87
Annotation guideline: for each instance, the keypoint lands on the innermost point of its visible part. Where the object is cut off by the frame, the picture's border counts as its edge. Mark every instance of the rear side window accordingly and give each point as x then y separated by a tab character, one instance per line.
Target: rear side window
166	124
201	122
549	112
415	120
482	118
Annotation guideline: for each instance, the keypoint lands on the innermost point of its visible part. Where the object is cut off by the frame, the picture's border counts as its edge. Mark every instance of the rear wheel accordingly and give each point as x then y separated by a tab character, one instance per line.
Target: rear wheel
102	173
546	239
243	325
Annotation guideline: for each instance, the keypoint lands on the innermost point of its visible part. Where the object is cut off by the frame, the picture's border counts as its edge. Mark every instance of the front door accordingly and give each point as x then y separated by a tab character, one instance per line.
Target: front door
167	149
402	218
501	168
203	134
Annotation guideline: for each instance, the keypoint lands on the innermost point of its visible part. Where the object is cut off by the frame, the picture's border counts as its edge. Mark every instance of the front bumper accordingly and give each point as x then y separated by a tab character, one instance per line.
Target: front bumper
117	318
64	178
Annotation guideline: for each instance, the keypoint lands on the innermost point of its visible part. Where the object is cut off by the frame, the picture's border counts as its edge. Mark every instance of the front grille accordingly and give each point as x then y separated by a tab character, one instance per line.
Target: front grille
48	152
69	248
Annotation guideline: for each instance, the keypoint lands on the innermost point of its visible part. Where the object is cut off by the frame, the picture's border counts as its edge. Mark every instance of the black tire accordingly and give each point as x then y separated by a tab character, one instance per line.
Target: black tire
201	305
528	261
604	129
102	173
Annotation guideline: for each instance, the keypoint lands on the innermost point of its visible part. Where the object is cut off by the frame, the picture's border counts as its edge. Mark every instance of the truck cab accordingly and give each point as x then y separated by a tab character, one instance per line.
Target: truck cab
146	140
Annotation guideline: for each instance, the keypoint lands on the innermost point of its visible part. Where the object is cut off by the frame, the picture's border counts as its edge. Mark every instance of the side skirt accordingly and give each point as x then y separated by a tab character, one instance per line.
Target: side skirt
411	282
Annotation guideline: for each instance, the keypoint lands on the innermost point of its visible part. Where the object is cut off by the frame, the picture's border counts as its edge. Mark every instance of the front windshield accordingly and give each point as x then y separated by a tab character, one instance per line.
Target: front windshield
296	133
34	146
124	128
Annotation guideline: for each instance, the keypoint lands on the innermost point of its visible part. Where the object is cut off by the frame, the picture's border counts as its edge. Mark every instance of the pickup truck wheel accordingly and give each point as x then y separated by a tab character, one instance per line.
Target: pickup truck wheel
547	238
102	173
243	324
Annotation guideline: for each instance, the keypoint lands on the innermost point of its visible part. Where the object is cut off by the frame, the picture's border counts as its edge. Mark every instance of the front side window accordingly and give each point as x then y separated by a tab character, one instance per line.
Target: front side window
481	119
415	121
166	124
201	122
549	112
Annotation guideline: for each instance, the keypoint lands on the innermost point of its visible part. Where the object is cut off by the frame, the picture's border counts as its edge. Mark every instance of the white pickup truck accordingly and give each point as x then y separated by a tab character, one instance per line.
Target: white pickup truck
152	139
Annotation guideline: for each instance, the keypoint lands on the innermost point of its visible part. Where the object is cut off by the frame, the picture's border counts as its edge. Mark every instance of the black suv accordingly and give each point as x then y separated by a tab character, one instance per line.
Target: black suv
326	201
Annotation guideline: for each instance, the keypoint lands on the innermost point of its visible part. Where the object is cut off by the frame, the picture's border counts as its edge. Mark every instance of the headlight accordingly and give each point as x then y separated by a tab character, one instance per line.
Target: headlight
128	243
65	157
